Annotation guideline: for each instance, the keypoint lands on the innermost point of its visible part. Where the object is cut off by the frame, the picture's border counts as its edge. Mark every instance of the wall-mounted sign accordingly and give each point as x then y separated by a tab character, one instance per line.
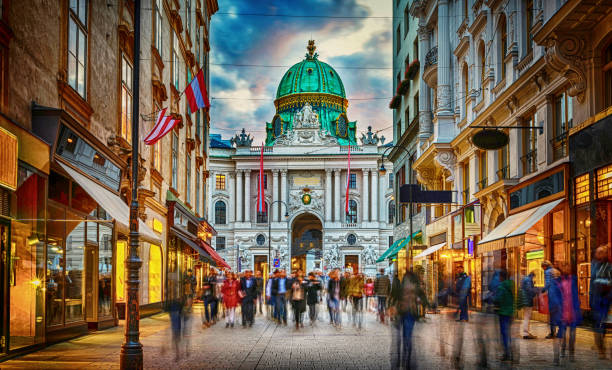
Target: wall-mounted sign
490	139
534	255
306	198
8	159
158	226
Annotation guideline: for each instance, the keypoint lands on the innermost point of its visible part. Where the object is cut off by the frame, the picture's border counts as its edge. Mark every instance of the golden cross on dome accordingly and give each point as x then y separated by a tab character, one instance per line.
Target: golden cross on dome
311	48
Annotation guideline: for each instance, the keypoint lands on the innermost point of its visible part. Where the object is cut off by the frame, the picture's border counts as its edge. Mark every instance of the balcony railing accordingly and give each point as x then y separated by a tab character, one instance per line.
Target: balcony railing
503	173
482	183
529	162
559	144
432	57
466	196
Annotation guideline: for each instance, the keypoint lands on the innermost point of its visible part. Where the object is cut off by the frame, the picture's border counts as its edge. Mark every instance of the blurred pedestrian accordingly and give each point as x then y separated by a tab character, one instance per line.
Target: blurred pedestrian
269	298
571	315
505	311
600	294
189	289
298	298
369	292
382	288
333	298
463	288
260	291
279	290
209	309
230	290
313	287
528	294
175	310
344	281
248	288
356	292
548	270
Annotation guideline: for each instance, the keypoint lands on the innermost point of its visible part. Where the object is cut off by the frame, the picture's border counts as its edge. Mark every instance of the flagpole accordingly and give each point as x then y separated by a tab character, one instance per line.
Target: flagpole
131	350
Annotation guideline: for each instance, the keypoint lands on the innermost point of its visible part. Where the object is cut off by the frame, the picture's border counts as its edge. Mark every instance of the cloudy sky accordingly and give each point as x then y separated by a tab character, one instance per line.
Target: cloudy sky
243	96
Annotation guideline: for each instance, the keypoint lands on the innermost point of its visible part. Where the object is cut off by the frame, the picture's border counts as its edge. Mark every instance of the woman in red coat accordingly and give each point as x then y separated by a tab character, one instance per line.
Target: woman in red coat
231	299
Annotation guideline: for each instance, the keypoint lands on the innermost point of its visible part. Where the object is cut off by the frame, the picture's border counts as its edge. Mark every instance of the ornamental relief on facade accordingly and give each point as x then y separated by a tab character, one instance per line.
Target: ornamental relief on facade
297	204
300	180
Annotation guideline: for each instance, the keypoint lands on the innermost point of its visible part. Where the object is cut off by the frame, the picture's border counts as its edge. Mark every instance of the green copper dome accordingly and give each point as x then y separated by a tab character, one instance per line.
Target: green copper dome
310	76
317	84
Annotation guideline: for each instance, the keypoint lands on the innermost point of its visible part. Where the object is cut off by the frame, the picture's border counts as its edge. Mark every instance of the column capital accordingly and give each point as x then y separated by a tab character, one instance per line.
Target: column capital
328	171
366	171
246	171
283	172
337	171
423	32
232	174
275	172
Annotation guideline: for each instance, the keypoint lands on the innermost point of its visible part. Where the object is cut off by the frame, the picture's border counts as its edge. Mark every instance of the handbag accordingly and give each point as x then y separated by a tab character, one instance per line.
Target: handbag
543	304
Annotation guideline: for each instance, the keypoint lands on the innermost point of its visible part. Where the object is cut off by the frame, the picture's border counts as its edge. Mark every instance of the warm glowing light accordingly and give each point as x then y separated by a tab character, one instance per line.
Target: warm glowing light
36	282
540	238
444	256
70	140
587	223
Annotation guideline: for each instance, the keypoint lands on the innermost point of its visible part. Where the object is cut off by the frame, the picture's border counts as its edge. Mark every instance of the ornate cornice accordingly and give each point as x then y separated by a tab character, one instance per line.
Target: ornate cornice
314	99
563	54
448	160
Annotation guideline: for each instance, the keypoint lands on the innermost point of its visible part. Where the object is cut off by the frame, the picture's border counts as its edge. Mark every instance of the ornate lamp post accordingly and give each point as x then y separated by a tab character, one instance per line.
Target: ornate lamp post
131	350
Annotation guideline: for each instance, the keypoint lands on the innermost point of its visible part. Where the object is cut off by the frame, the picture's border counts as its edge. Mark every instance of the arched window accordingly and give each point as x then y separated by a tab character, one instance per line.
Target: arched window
262	217
391	211
155	274
483	62
351	217
502	45
466	88
220	213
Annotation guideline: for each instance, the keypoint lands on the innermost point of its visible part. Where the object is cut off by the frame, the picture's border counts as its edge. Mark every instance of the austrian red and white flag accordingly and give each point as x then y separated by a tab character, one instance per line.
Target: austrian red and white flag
261	204
196	93
163	125
348	182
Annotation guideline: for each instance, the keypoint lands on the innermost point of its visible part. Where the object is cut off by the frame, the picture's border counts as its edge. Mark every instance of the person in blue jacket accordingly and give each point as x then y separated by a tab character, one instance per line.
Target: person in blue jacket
571	315
463	288
548	270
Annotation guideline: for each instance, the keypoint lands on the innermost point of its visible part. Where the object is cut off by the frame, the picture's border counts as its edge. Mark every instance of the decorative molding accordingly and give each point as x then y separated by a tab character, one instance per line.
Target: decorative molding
563	54
540	79
448	160
512	103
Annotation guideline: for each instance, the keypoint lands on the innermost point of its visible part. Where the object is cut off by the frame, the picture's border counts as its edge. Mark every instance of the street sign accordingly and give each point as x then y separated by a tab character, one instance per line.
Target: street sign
276	262
490	139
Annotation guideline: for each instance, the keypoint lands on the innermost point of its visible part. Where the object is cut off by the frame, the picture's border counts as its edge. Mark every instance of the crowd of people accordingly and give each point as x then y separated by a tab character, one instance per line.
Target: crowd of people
402	303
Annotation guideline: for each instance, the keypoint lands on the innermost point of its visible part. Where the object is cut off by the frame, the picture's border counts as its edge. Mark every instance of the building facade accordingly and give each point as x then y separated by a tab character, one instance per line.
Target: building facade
65	114
305	160
522	67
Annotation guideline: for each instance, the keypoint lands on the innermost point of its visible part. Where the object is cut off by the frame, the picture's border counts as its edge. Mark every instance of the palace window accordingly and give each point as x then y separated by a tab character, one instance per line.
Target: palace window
262	217
220	213
503	44
407	116
174	160
158	26
415	105
483	61
175	64
157	156
220	244
220	182
265	181
198	123
188	15
391	212
503	165
351	217
188	179
77	46
528	25
466	88
391	180
353	181
126	99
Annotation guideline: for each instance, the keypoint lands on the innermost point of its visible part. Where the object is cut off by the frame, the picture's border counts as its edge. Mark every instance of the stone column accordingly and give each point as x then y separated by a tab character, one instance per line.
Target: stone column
283	209
274	195
337	199
515	146
212	179
239	192
366	195
232	197
424	100
328	195
247	196
446	123
375	183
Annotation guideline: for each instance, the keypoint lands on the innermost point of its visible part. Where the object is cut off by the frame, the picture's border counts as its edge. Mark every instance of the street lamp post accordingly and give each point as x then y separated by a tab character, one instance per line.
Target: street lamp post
382	171
131	350
270	230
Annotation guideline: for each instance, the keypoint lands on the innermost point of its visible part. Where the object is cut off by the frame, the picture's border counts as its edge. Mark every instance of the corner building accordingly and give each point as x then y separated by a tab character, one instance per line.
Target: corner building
305	163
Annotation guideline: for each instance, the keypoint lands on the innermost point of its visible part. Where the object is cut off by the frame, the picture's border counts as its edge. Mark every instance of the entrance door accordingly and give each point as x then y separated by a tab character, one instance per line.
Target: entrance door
91	286
306	243
260	264
4	253
351	261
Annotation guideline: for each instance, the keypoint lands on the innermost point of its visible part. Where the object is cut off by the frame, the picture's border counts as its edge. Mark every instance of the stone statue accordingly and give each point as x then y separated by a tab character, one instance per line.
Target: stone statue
369	255
331	255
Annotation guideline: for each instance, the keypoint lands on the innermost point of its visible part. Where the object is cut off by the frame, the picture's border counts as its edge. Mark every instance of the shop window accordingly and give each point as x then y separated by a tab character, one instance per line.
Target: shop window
351	216
604	182
81	201
126	99
220	213
220	243
155	274
220	182
583	253
582	189
543	188
533	252
59	188
77	46
75	271
105	269
558	227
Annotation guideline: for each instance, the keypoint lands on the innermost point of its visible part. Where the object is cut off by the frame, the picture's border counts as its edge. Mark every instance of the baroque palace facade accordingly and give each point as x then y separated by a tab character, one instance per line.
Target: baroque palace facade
544	65
65	129
305	162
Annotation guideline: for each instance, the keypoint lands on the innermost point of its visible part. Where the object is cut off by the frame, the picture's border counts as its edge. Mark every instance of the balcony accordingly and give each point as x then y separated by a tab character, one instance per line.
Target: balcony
529	162
430	69
559	144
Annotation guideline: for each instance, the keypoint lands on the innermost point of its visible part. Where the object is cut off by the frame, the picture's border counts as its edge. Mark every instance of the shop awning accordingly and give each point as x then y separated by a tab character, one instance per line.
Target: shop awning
396	247
215	256
192	244
113	205
429	251
511	232
391	248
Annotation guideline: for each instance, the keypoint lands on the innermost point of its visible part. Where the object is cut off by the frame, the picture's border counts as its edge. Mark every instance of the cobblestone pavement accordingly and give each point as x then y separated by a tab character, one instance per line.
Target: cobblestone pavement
267	345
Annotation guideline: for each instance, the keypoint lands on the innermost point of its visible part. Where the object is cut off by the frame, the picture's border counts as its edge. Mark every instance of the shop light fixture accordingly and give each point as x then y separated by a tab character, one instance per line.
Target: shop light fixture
36	282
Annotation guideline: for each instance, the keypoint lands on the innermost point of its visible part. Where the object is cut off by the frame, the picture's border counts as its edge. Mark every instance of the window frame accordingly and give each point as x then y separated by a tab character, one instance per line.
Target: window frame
220	213
351	216
158	34
176	78
188	178
352	180
196	207
219	238
220	181
126	96
174	161
81	29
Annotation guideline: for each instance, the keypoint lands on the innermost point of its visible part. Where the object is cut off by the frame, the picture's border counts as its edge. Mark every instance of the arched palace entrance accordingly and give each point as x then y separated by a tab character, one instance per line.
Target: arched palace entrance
306	243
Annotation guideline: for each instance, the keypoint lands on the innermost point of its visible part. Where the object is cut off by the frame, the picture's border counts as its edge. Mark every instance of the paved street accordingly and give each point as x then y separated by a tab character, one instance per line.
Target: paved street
267	345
